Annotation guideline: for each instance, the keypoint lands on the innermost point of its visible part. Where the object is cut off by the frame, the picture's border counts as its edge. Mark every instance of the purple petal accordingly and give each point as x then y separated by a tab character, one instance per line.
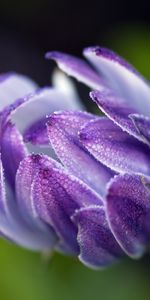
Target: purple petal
13	227
16	230
77	68
56	196
24	179
121	78
119	112
2	188
65	84
98	247
37	133
14	86
64	97
63	128
142	124
115	148
43	102
13	151
128	212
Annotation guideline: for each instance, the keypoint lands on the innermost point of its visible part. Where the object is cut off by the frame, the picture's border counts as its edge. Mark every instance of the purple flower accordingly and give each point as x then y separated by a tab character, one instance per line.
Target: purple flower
92	198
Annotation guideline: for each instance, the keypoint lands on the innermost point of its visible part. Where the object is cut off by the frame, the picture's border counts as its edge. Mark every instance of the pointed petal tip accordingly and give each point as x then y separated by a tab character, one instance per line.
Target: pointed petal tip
91	49
94	95
107	54
100	51
98	98
52	119
54	55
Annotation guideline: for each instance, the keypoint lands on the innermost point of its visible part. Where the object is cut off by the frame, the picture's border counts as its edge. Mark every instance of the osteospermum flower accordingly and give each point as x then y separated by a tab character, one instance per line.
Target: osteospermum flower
92	199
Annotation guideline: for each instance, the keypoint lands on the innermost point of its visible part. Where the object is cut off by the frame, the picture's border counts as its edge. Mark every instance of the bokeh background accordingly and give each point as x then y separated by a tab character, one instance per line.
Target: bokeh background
28	29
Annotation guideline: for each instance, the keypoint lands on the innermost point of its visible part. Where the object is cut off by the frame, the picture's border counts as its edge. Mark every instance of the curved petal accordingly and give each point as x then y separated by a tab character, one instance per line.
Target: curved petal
14	86
63	128
43	102
142	124
77	68
65	84
56	195
119	112
24	179
121	78
13	151
33	125
2	188
13	227
98	247
128	212
115	148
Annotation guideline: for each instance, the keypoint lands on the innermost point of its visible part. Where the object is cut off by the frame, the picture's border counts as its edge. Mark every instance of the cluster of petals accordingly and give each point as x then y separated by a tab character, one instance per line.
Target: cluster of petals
72	181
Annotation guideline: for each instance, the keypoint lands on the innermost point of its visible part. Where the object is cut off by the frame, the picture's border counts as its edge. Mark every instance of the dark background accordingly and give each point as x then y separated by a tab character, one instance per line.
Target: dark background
30	28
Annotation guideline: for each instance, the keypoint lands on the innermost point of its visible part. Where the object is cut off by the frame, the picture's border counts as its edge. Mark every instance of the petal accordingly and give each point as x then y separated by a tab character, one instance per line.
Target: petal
13	227
77	68
63	83
63	128
115	148
32	125
43	102
119	112
98	247
13	151
128	212
142	124
37	133
121	78
2	188
14	86
24	179
56	195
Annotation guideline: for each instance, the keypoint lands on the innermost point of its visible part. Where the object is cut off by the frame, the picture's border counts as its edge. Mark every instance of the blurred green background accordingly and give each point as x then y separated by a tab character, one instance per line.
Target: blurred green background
27	276
24	39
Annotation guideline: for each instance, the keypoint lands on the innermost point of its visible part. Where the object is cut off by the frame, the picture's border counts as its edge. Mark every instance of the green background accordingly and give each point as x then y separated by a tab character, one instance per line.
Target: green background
28	276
